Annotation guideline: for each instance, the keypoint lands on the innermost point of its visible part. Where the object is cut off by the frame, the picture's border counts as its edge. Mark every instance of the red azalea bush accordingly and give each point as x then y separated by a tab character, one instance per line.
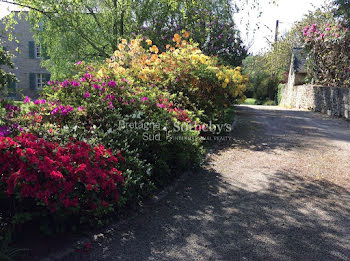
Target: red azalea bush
74	178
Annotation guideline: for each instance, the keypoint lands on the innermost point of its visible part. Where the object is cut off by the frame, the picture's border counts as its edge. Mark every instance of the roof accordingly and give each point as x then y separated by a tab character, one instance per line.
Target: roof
299	60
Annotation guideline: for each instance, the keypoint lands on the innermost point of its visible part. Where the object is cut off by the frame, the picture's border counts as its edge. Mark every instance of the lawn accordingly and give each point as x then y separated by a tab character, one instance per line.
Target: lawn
250	101
253	101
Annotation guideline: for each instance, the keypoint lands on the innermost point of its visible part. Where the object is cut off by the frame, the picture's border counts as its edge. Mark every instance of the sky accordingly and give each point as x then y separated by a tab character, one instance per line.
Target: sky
286	11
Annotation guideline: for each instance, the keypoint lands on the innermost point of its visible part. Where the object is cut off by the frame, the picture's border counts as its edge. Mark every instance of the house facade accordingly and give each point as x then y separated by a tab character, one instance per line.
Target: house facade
28	70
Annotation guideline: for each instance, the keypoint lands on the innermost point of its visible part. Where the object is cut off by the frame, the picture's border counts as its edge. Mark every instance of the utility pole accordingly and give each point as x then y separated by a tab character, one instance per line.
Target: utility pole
276	32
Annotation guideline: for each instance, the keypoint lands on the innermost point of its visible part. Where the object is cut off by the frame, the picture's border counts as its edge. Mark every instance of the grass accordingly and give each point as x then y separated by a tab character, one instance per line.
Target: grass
251	101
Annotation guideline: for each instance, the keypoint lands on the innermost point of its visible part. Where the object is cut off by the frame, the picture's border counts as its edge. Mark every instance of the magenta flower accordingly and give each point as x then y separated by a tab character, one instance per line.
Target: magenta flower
110	106
112	84
37	102
4	131
97	87
75	84
65	83
144	99
161	105
87	95
27	100
88	76
54	111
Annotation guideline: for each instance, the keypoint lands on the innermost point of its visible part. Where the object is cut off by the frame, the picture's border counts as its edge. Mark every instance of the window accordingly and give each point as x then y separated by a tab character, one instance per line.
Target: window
38	50
40	80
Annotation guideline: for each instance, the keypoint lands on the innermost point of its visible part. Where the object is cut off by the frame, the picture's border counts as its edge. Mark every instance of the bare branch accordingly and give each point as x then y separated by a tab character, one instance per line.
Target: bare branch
27	6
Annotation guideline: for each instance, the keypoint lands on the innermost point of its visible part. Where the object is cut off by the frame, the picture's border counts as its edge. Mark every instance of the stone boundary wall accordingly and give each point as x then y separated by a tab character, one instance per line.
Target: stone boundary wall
329	100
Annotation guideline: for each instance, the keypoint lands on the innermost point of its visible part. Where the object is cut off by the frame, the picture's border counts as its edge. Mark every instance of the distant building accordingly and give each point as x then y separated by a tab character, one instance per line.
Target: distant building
298	73
30	74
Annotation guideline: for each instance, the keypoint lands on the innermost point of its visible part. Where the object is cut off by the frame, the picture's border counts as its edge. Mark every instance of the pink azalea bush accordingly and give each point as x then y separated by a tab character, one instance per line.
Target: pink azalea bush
329	52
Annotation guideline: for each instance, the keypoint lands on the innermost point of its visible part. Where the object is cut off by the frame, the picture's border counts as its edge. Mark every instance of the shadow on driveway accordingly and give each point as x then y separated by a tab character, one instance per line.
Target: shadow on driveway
211	219
219	214
266	128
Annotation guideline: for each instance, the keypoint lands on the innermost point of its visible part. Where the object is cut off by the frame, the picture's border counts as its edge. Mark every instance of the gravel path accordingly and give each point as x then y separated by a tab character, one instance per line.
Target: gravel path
278	191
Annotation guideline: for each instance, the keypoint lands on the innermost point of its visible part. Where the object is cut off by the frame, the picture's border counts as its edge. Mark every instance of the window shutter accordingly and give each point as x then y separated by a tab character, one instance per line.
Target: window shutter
12	88
47	77
32	82
31	48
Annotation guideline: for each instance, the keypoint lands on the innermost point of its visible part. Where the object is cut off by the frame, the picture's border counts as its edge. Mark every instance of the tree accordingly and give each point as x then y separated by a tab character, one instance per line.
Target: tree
343	10
209	22
6	77
90	30
268	70
77	30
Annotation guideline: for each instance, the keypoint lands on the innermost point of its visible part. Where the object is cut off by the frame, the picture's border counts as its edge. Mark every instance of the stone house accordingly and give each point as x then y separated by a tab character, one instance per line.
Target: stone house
297	73
334	101
30	74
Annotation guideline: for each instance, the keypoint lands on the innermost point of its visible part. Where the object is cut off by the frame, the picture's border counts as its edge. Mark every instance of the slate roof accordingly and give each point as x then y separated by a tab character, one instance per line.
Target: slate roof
299	60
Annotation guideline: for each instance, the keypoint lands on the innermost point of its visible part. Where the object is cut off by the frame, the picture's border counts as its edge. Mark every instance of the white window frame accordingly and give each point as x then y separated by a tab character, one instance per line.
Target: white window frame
40	80
37	51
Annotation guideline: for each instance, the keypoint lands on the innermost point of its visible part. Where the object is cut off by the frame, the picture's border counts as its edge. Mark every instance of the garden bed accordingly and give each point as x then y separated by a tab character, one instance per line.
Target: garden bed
110	135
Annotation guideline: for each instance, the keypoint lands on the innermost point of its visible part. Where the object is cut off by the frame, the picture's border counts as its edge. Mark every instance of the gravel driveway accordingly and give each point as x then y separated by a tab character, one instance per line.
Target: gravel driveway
277	191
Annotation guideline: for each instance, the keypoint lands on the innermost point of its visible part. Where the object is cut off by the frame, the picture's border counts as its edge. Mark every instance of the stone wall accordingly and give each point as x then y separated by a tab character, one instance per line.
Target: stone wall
296	94
330	100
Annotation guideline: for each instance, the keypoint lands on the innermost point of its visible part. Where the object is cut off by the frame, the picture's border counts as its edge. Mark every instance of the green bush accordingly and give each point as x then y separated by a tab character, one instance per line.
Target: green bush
151	108
262	83
279	93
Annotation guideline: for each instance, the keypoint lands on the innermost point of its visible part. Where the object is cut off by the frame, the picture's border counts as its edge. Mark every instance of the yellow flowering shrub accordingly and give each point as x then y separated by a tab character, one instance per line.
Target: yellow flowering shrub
181	69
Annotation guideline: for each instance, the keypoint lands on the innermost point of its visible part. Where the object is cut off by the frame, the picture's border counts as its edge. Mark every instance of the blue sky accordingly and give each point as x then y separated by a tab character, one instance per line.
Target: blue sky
287	11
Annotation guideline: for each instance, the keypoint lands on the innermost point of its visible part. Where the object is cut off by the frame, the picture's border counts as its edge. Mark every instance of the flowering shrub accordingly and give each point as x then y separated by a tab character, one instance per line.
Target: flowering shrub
146	105
94	109
183	68
329	53
8	112
75	178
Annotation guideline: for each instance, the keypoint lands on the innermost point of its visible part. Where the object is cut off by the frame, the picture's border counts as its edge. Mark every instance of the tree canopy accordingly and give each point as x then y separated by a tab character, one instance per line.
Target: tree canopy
5	61
343	10
90	30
